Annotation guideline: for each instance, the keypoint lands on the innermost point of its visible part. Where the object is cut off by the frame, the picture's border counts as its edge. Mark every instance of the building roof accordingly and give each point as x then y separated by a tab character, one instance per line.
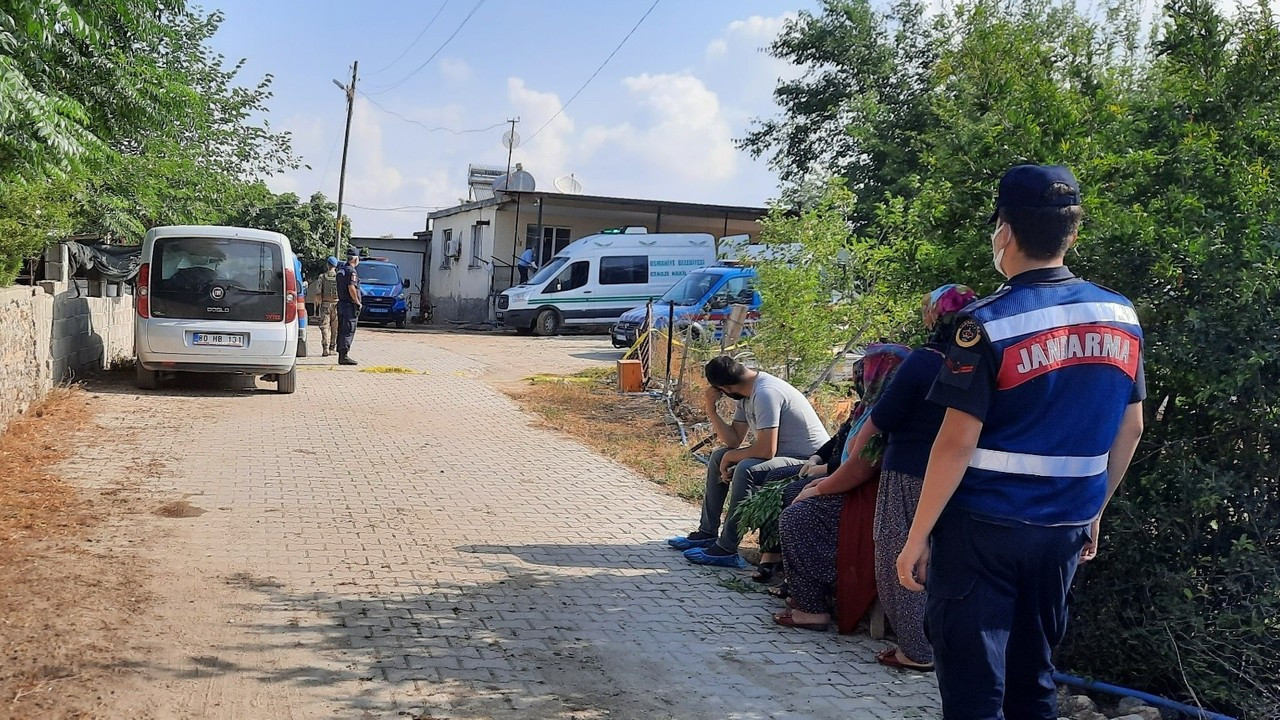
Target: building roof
601	202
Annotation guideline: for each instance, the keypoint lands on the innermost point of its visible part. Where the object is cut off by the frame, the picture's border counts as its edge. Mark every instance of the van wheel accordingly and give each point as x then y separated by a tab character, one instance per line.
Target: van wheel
399	324
147	379
287	383
302	347
548	323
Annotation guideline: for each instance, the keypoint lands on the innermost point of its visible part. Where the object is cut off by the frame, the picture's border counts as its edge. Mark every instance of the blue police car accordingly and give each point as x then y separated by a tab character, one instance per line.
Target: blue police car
383	289
702	299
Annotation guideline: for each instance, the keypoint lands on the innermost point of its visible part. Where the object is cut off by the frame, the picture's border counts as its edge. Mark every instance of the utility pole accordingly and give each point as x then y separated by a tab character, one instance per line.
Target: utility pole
350	90
511	146
510	141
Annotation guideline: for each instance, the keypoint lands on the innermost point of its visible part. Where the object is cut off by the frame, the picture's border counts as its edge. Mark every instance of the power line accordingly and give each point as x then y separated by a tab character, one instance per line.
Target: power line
443	45
413	44
597	72
424	126
402	208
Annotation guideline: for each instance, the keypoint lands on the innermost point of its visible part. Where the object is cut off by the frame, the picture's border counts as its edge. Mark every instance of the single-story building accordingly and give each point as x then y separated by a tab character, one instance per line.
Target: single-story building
474	246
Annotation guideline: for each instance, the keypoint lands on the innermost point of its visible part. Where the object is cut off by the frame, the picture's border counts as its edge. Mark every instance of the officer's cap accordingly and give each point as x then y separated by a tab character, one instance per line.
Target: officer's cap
353	252
1028	186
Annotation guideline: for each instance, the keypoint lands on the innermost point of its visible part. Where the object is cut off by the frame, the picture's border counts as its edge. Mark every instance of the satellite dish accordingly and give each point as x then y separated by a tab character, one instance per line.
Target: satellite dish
511	139
517	181
568	185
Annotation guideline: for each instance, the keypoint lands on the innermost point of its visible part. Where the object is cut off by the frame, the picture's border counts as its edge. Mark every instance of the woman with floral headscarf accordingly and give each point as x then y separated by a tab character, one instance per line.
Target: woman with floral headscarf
912	423
826	533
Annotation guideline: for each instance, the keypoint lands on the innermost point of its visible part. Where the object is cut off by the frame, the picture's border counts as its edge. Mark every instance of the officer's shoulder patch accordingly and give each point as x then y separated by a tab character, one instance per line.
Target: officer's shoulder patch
960	367
968	333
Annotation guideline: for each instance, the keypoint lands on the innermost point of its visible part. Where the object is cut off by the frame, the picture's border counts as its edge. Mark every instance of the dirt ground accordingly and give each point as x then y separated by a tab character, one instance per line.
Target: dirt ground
66	604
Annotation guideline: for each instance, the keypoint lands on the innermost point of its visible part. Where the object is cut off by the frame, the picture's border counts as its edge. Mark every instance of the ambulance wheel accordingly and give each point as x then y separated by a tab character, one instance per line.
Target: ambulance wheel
548	323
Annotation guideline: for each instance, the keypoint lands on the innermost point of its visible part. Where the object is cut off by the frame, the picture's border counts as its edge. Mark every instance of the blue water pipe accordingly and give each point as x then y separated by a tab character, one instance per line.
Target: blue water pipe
1152	700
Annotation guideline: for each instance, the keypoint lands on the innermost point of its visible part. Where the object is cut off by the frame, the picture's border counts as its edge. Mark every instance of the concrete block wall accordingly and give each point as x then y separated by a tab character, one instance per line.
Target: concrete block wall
53	333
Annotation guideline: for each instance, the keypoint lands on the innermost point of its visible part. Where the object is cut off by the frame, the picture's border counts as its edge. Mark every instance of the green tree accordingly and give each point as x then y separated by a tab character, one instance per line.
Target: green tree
311	226
201	164
69	80
817	296
126	104
31	215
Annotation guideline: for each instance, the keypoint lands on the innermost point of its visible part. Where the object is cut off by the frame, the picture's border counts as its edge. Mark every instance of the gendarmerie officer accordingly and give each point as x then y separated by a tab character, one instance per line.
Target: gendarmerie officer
350	303
1044	388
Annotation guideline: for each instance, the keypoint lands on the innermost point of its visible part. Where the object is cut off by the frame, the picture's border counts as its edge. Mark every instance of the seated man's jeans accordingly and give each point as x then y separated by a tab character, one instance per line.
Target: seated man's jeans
748	474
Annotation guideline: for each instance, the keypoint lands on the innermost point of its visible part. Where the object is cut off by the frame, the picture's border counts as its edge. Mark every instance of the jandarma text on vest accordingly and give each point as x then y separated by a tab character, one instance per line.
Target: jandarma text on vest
1064	347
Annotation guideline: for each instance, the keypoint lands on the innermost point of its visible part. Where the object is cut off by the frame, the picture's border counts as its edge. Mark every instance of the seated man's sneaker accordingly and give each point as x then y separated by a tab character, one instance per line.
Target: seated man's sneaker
692	540
714	557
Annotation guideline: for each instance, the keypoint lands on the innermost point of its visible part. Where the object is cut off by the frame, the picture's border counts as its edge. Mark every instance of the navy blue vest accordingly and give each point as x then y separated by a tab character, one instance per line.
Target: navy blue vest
1067	355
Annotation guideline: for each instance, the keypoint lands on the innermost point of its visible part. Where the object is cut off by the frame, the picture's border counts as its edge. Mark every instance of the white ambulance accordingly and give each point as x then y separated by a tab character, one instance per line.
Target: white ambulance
597	278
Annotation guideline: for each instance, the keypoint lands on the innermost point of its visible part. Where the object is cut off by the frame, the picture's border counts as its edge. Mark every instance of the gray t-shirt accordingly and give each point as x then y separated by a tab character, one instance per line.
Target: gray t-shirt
774	403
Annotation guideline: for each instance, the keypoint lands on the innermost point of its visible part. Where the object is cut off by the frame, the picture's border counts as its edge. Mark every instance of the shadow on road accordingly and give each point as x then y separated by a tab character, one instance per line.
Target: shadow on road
538	642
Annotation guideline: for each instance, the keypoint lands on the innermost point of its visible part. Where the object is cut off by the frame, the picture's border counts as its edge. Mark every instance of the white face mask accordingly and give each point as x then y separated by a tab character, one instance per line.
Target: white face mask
997	256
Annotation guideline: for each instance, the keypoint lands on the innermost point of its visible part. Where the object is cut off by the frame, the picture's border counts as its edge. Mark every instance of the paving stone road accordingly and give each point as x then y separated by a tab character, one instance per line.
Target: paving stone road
414	545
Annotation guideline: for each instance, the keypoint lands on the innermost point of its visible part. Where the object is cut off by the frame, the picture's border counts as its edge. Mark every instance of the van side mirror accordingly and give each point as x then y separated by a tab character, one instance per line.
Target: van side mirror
406	282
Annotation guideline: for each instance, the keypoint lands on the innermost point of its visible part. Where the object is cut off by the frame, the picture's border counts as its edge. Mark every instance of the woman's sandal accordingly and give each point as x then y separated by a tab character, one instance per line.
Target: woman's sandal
889	658
784	619
780	591
765	571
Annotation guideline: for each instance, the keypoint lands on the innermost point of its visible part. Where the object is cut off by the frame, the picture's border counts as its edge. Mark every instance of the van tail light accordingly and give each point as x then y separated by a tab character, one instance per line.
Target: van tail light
142	300
290	297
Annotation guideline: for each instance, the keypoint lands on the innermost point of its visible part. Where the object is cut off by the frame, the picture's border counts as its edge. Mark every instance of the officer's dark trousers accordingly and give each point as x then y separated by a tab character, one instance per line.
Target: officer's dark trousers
997	606
347	318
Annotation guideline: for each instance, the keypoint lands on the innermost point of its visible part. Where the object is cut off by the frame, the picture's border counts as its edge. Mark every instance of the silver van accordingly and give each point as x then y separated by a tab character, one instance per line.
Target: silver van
216	299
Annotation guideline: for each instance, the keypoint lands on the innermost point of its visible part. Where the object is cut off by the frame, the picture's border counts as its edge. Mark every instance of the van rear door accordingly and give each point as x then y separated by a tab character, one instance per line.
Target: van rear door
217	279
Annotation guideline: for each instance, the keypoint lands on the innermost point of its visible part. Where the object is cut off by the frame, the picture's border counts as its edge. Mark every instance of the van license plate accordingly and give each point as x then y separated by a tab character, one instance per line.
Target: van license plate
219	339
377	310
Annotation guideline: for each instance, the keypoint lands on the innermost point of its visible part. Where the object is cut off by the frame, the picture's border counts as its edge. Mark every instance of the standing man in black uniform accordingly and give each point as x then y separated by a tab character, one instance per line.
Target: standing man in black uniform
350	303
1043	386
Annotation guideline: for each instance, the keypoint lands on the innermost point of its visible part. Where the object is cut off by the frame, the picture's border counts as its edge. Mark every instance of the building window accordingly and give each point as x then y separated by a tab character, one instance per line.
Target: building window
477	247
446	248
624	270
554	239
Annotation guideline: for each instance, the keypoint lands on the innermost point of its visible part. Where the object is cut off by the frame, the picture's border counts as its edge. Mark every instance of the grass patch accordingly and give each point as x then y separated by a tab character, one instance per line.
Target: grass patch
629	429
388	370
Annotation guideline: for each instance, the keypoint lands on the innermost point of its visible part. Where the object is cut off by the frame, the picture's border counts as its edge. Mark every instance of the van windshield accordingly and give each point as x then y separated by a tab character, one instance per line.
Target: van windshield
548	271
217	279
691	289
378	274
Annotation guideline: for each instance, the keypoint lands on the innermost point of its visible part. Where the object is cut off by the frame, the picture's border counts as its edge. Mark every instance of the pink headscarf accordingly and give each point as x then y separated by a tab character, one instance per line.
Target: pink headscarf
943	302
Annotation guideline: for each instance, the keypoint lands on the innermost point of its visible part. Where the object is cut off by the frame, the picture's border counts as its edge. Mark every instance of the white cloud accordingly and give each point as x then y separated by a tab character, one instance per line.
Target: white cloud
548	154
754	32
690	136
455	70
367	169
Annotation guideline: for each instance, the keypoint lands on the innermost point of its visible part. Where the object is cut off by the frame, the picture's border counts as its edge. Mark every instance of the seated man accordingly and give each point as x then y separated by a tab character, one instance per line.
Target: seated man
787	432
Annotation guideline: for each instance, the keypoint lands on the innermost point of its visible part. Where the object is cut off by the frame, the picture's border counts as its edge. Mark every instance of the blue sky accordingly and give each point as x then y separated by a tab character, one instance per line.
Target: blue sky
658	122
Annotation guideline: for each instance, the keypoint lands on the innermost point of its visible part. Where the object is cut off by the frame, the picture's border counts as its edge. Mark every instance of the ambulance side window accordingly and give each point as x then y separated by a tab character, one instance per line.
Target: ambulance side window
571	278
624	270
